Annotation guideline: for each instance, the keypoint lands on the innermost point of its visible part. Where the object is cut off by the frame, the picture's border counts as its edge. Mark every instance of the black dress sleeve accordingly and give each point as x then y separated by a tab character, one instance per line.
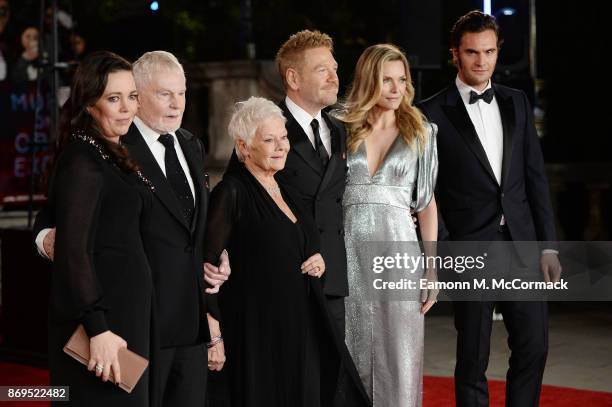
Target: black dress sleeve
311	234
222	213
77	188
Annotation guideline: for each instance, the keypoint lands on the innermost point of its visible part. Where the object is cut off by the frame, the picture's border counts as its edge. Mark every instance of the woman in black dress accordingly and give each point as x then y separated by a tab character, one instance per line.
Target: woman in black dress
280	342
102	278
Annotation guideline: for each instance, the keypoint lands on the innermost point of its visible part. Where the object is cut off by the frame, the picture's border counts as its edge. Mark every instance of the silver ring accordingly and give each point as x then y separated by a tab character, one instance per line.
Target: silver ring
99	367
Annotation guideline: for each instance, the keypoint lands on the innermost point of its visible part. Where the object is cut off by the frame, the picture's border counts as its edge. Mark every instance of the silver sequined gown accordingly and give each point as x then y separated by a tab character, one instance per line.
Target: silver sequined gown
386	338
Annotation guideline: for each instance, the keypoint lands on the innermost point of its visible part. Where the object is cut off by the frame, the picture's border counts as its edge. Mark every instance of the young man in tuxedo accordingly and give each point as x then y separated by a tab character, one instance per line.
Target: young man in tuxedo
316	164
492	186
173	160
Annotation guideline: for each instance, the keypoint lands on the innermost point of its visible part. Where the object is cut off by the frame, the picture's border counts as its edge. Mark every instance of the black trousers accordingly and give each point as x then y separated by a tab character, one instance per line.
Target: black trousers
335	304
337	309
182	376
527	326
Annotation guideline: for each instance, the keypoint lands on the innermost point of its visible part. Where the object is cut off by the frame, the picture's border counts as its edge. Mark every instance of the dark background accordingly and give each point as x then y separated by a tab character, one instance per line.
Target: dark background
572	40
569	84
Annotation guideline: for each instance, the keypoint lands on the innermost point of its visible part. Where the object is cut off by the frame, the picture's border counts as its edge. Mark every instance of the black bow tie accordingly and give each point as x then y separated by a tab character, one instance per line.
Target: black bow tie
487	96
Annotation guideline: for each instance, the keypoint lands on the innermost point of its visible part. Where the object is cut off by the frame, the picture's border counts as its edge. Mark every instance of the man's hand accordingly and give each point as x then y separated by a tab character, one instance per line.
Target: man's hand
216	357
551	267
216	353
216	276
49	244
414	218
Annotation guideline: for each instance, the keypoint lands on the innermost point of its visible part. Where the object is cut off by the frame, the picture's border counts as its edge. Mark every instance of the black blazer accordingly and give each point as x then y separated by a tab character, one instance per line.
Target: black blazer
320	191
470	200
173	247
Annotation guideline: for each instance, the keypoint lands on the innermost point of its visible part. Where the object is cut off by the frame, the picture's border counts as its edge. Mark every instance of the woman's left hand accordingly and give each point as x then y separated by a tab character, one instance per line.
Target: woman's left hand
314	266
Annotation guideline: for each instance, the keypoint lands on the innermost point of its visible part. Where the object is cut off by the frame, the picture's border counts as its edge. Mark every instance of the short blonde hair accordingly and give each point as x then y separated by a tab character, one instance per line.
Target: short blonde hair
247	117
291	53
153	62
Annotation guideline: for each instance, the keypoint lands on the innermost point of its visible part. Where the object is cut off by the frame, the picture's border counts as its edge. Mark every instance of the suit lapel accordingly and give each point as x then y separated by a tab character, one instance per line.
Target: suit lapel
506	110
457	114
336	153
138	148
190	150
300	142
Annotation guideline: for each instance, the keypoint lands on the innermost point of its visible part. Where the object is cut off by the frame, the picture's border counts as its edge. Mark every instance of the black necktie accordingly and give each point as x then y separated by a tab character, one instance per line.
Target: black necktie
177	178
487	96
319	147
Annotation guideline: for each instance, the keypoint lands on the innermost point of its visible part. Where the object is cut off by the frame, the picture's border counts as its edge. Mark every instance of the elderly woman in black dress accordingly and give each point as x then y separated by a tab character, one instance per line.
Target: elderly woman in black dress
102	278
280	342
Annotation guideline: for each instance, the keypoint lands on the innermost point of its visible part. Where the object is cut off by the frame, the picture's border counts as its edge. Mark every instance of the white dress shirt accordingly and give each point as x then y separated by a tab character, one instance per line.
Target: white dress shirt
159	151
487	121
304	118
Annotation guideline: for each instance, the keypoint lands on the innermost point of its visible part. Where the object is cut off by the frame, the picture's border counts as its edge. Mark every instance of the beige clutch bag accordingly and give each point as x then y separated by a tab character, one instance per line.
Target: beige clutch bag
132	365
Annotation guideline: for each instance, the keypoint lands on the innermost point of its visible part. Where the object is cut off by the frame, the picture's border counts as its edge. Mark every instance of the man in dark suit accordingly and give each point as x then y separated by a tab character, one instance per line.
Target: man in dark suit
173	160
316	165
492	186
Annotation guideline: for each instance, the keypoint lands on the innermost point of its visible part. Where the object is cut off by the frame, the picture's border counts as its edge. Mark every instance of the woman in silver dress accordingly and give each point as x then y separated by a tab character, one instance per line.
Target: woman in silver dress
391	176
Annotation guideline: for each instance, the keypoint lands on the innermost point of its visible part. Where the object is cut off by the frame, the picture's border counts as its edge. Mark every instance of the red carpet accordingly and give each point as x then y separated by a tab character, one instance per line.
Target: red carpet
21	375
438	390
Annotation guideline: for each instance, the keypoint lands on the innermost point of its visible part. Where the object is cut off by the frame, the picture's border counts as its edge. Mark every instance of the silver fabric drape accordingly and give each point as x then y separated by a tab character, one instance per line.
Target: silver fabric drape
385	338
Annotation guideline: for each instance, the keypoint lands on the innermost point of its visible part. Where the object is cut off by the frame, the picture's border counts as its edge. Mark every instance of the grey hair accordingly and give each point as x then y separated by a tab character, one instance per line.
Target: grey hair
153	62
247	117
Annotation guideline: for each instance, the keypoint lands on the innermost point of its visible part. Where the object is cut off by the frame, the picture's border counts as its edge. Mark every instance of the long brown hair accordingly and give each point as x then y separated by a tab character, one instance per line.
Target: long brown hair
87	87
365	92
